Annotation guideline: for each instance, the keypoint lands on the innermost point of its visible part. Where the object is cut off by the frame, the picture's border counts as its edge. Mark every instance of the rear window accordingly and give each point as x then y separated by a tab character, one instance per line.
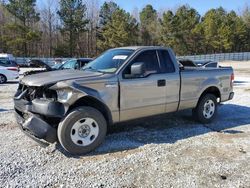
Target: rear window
167	65
5	62
211	65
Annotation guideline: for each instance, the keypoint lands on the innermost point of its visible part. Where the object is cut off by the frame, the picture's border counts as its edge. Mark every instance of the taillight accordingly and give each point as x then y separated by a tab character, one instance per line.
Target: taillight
232	80
12	68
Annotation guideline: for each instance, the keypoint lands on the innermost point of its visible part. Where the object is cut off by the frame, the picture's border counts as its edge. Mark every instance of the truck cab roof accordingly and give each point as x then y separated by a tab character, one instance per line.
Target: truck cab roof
142	47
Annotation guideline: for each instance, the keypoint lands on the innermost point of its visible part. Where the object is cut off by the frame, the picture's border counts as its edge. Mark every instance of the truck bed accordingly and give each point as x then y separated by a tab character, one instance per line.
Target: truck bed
194	80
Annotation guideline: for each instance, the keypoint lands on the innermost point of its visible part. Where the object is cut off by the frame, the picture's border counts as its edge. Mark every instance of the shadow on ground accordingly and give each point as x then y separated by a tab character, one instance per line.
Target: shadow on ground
169	129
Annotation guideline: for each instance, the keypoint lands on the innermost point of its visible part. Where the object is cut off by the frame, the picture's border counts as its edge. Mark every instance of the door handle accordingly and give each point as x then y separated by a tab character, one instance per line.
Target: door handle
161	83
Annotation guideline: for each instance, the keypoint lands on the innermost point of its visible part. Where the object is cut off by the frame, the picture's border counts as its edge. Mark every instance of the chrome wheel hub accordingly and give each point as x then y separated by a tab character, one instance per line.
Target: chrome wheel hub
84	132
209	109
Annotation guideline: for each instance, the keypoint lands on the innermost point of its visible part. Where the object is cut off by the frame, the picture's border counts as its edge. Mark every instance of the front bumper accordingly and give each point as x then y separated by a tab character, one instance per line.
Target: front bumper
41	107
29	116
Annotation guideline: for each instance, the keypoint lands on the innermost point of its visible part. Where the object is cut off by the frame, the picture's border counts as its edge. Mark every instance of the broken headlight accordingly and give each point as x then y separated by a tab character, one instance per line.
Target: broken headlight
63	95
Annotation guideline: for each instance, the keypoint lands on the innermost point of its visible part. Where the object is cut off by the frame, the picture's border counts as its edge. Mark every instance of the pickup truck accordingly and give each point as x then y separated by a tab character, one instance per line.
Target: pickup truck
75	107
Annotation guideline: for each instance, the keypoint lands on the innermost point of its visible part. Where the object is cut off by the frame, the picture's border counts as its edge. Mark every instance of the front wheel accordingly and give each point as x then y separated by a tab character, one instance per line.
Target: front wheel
3	79
206	109
82	130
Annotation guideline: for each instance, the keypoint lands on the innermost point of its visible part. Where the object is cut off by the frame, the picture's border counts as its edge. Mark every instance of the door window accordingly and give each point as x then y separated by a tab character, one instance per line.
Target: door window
150	60
167	65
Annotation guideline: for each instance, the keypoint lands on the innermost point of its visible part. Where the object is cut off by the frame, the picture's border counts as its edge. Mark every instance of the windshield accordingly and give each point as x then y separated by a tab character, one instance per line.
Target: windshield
70	64
109	61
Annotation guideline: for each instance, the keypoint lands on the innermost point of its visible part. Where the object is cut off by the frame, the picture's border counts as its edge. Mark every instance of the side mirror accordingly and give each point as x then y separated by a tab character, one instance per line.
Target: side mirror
137	69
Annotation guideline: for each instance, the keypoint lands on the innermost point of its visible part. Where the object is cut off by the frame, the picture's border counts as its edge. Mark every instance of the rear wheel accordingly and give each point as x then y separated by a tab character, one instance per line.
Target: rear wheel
206	109
3	79
82	130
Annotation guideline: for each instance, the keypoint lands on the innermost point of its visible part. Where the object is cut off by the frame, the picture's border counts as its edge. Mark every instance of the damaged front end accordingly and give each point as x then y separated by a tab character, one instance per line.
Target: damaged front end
38	112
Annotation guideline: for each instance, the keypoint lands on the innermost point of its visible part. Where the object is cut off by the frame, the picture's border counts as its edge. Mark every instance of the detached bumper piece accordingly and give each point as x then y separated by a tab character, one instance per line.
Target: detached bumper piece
37	129
40	129
29	116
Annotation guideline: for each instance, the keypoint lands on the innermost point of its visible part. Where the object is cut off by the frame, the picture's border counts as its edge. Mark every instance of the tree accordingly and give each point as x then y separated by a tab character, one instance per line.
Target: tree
121	30
106	12
167	33
246	20
83	28
73	16
48	28
224	32
178	30
18	36
236	33
25	17
149	25
5	17
185	20
93	16
211	23
246	16
24	10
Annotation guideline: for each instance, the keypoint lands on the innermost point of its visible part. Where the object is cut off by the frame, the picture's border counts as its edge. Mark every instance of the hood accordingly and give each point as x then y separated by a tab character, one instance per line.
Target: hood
51	77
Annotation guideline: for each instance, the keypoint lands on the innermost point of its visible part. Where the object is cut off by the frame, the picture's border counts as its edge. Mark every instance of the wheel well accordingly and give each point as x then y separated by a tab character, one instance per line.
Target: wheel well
95	103
212	90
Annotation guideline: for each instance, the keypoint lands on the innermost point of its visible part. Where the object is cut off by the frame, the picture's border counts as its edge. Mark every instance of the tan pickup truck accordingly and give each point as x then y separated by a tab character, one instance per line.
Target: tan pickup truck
75	107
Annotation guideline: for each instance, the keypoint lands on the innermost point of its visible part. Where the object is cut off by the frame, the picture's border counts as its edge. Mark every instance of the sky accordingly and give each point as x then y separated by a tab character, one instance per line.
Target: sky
200	5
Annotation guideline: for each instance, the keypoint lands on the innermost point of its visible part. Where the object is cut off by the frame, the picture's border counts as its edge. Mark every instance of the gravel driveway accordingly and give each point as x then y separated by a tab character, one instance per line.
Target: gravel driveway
164	151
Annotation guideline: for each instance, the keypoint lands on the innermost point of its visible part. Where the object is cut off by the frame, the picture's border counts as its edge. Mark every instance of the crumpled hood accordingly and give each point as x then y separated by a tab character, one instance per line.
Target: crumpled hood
45	78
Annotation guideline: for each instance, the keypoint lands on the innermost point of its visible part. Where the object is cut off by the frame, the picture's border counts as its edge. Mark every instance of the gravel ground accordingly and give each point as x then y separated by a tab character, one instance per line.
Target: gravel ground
164	151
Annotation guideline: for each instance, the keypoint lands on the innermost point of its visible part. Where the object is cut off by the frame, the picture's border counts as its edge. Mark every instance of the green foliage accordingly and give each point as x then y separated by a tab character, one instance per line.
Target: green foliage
246	16
149	25
223	32
18	34
105	15
61	51
217	31
106	12
179	30
121	30
246	20
184	29
73	16
24	10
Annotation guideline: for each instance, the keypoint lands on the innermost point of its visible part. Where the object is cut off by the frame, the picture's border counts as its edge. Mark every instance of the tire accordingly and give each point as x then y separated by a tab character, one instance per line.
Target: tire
82	130
3	79
206	109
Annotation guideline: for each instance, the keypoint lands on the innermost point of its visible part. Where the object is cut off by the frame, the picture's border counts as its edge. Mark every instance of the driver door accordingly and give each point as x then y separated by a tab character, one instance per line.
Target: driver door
145	95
